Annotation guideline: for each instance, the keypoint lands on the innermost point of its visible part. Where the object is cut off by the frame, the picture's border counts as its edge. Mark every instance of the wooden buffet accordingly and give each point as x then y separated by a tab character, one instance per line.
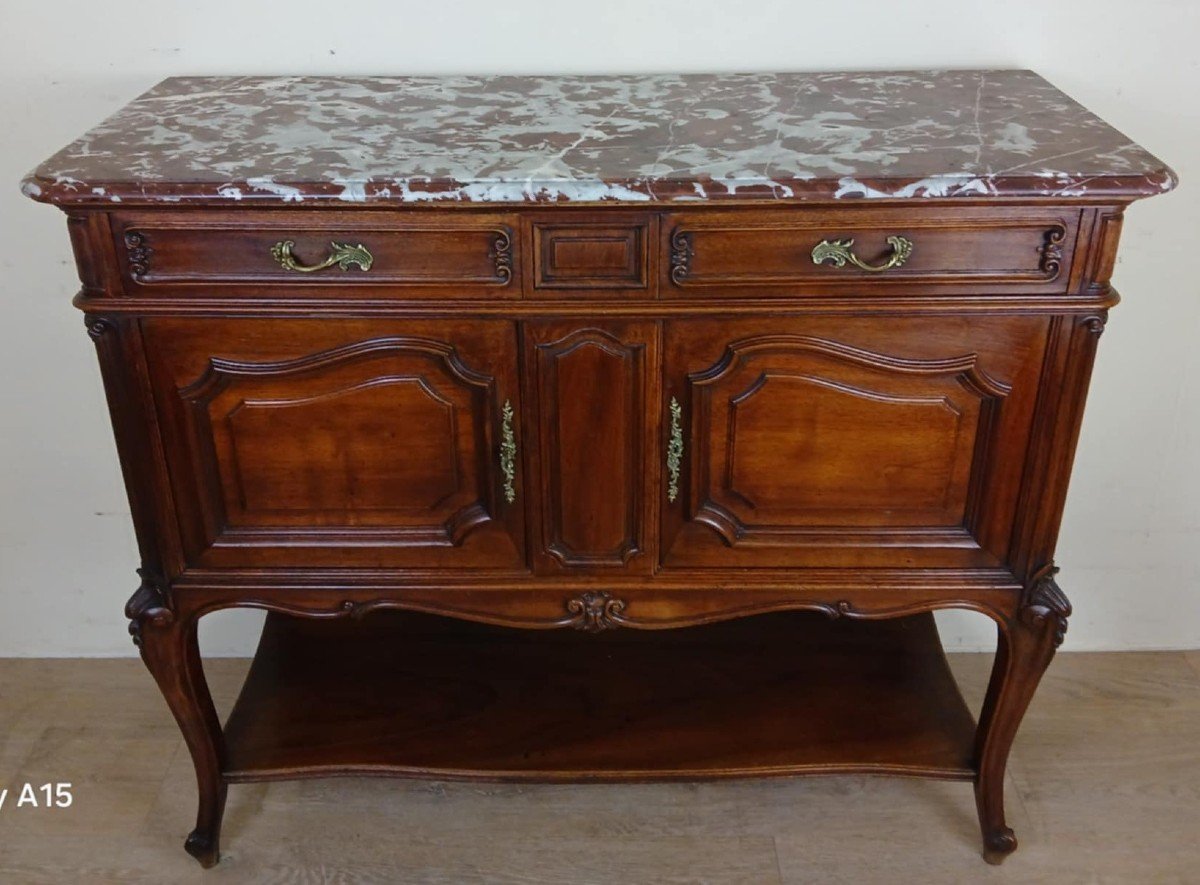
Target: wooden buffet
761	369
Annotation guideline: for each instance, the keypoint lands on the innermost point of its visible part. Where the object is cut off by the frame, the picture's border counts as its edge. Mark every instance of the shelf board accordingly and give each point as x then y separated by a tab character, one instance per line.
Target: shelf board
409	694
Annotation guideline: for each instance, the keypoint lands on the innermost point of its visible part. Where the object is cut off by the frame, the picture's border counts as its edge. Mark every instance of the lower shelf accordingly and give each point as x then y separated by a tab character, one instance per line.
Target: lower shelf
407	694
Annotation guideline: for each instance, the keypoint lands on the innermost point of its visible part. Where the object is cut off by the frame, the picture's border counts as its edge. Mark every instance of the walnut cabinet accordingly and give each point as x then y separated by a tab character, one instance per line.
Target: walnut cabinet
743	430
747	443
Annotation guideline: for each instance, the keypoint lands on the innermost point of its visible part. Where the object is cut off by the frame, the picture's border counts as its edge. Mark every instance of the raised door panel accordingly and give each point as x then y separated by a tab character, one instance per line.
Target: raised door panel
849	442
593	386
340	444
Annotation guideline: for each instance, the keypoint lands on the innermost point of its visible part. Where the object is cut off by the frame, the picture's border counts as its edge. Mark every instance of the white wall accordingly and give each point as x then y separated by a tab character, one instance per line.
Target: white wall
1132	529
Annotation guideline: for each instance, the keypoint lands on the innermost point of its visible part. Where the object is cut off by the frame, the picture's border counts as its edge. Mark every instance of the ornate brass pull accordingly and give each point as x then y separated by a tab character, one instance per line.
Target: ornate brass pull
838	251
674	450
508	452
343	255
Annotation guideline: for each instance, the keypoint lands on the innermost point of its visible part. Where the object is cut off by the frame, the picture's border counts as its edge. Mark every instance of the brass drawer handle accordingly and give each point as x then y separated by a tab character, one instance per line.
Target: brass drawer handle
839	252
674	450
508	452
343	255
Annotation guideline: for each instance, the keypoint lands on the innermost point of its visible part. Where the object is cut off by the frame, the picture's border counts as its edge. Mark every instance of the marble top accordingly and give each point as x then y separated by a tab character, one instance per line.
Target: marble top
665	138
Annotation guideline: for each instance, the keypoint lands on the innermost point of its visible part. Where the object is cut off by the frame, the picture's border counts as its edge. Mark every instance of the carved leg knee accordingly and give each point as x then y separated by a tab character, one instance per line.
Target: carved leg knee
1025	647
170	651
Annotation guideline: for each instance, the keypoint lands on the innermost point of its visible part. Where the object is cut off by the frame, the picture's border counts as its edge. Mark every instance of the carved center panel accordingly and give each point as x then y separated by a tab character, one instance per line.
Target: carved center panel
592	401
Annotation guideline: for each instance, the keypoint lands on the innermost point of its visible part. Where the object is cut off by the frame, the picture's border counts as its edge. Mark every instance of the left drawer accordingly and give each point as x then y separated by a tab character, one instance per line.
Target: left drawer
439	256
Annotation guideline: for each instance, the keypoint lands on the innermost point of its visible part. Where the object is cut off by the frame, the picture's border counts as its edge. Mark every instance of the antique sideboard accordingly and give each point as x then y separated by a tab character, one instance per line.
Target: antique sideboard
760	369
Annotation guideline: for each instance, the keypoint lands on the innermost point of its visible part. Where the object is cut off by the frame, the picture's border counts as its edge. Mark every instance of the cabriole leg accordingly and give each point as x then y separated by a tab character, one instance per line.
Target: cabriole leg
169	648
1026	644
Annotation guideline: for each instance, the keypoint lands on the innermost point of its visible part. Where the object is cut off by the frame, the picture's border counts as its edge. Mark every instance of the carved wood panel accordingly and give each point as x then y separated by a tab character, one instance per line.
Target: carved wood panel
808	444
772	253
338	448
594	388
190	256
579	256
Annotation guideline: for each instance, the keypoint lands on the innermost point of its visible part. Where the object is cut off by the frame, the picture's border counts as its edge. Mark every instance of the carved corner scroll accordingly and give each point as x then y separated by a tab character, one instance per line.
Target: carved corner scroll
1095	324
1051	251
595	612
1045	605
97	327
149	604
502	256
137	253
681	255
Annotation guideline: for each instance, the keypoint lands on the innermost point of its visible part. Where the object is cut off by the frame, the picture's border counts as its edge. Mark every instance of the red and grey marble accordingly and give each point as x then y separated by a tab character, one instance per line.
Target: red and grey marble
665	138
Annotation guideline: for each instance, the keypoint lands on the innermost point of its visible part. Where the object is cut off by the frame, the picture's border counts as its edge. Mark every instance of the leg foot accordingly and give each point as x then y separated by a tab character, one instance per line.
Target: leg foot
1026	644
204	842
998	845
204	847
168	645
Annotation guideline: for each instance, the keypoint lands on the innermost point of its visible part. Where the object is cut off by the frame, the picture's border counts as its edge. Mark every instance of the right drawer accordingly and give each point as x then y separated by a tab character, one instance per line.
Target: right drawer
901	249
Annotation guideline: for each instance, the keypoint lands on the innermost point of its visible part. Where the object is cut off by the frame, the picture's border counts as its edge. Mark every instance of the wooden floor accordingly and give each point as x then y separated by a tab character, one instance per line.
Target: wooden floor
1104	787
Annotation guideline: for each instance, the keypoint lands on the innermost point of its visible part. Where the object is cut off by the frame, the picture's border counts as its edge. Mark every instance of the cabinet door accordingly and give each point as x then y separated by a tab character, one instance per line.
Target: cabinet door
340	443
833	442
593	388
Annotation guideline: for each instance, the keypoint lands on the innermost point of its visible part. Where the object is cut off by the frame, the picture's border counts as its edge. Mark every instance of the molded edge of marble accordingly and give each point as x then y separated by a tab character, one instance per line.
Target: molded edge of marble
69	192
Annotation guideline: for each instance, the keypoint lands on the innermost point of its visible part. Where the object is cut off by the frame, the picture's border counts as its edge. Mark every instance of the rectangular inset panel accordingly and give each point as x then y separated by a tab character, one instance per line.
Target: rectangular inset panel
849	442
590	256
338	442
594	388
